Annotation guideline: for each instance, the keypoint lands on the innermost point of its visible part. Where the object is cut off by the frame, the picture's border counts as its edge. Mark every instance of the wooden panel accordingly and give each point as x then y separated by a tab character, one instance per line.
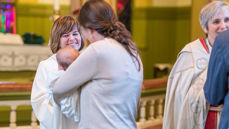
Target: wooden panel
161	13
13	87
154	83
40	9
17	76
35	18
160	33
15	91
196	30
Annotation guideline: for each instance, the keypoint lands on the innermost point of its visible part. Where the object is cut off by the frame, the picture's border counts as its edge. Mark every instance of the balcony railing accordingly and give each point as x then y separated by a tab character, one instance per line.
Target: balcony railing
150	110
14	95
152	103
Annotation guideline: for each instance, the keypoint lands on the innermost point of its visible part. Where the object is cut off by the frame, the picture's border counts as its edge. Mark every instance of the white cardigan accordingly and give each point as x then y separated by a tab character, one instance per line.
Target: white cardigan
111	86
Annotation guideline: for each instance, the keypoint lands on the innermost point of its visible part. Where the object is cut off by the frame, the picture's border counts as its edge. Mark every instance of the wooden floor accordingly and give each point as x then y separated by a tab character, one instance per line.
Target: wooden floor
155	127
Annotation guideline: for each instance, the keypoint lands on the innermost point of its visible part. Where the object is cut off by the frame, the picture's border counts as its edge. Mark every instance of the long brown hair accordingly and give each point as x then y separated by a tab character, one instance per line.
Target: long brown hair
99	15
62	25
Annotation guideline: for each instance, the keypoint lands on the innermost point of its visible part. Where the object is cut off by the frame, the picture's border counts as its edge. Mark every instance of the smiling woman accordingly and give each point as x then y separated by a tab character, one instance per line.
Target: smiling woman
185	98
64	32
214	19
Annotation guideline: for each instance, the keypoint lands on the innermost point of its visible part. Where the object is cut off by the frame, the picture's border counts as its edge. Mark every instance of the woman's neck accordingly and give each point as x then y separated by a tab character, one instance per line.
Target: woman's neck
97	36
210	41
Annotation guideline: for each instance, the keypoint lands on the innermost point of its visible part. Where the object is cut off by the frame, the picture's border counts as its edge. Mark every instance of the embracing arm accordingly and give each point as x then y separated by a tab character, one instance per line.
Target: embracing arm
215	88
79	72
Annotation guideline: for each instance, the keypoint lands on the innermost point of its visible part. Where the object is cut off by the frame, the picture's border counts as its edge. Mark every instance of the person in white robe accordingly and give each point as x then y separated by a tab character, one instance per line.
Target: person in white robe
185	103
64	32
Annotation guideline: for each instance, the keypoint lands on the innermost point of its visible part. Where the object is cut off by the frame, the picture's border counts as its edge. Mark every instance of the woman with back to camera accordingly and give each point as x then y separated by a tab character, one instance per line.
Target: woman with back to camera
109	71
185	105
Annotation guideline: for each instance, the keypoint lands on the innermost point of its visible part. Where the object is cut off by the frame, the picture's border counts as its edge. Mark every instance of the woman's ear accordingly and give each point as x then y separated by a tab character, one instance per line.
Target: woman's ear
91	31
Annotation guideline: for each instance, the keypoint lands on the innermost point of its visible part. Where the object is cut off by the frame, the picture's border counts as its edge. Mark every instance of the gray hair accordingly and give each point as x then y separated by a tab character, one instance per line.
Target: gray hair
209	11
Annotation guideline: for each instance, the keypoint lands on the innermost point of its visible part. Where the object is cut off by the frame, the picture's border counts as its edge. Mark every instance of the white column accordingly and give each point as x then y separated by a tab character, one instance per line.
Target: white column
151	111
34	121
56	5
143	111
13	117
160	108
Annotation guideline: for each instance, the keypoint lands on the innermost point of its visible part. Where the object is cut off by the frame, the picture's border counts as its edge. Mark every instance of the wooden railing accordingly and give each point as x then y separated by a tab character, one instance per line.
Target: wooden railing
152	103
150	110
15	87
14	103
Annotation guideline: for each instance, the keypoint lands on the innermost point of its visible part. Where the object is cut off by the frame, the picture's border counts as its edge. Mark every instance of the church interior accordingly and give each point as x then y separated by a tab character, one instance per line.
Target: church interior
160	28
